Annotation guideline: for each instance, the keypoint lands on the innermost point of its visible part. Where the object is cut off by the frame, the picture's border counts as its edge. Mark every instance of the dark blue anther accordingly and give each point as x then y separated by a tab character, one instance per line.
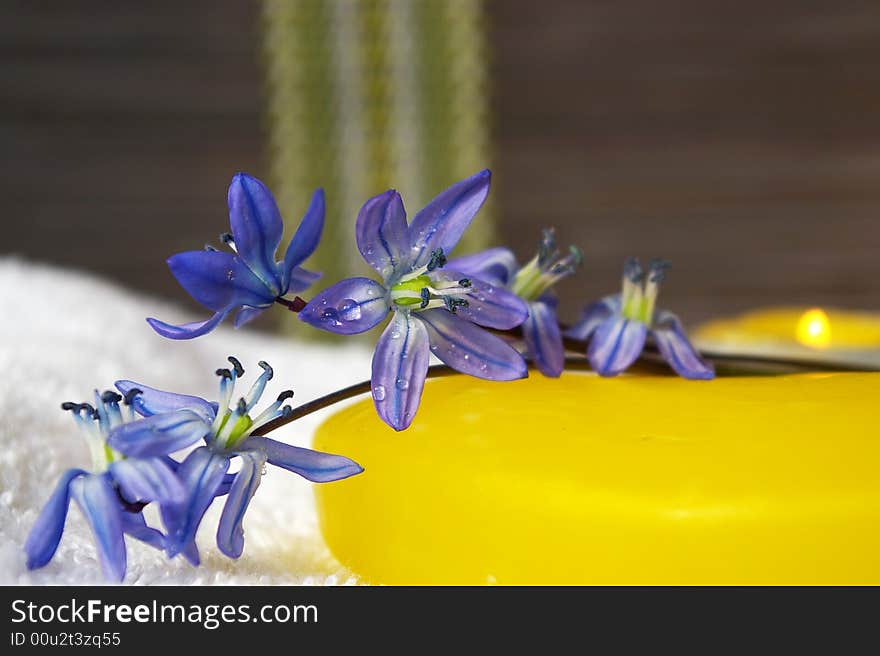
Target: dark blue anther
111	397
286	411
130	394
242	407
438	259
657	269
226	238
465	282
224	373
547	248
632	270
239	370
267	369
286	394
426	297
452	303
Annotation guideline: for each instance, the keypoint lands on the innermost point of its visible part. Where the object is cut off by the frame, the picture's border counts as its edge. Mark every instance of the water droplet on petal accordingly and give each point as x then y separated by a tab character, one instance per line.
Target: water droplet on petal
402	383
395	334
379	392
331	316
349	310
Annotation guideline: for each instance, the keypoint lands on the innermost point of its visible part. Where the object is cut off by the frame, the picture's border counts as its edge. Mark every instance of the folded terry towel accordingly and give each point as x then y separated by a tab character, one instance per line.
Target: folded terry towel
64	333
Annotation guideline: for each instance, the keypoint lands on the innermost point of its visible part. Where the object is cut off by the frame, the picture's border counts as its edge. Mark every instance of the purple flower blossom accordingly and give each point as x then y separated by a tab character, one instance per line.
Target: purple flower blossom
497	266
248	279
435	309
174	421
618	325
111	497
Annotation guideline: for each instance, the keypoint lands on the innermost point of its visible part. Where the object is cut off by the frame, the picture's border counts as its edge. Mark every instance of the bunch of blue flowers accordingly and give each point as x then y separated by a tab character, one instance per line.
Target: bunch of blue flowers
132	436
481	314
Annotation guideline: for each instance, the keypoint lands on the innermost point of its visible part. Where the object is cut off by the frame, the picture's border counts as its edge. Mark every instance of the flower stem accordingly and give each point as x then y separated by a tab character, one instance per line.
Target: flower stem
650	362
296	305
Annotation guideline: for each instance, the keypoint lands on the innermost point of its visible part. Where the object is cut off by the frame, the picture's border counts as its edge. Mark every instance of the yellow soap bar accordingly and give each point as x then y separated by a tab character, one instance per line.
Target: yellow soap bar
630	480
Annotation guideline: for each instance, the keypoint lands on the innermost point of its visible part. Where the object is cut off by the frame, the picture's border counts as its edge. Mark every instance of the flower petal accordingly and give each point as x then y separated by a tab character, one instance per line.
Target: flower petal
301	279
677	349
490	305
145	480
351	306
159	435
46	532
225	485
441	222
201	474
219	280
305	239
256	227
190	551
230	533
247	314
543	339
152	401
382	236
315	466
615	345
470	349
135	525
495	265
593	315
400	364
187	330
98	501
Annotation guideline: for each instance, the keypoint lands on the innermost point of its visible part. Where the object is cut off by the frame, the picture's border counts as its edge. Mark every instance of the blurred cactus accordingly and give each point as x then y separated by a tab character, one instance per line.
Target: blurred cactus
365	95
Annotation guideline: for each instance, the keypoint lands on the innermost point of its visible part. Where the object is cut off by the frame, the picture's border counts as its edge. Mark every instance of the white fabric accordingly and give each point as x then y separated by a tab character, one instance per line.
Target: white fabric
64	333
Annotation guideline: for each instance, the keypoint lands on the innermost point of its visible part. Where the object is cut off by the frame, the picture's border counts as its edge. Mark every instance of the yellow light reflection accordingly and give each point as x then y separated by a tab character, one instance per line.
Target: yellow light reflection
814	329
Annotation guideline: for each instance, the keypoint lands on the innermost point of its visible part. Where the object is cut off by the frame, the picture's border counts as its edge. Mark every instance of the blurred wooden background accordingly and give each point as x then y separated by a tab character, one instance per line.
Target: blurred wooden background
740	140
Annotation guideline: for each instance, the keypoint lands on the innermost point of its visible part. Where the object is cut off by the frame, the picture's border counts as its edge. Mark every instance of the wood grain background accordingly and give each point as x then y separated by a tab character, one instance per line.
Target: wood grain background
741	140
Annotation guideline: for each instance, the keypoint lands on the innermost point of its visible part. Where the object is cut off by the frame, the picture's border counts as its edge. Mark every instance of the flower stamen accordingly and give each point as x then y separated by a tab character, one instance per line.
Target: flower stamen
546	268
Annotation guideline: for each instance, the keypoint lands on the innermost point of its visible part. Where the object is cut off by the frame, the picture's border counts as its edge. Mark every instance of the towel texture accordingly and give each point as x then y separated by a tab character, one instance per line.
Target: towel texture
63	334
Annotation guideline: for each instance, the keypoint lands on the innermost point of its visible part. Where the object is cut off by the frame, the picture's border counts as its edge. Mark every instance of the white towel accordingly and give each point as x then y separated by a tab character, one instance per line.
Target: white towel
63	334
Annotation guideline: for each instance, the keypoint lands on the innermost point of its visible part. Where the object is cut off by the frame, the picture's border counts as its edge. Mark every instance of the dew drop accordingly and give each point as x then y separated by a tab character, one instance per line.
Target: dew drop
349	310
379	392
330	316
395	334
402	383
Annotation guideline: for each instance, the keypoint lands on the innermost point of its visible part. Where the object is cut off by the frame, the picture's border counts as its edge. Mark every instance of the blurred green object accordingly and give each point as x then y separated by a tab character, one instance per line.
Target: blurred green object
366	95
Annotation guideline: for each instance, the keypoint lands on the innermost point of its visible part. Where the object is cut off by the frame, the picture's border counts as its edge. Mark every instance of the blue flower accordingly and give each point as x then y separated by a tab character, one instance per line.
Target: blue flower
434	309
619	325
174	421
111	496
497	266
249	279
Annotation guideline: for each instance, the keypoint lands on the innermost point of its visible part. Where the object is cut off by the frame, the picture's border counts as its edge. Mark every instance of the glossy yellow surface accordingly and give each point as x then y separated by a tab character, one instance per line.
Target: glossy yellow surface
632	480
800	327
